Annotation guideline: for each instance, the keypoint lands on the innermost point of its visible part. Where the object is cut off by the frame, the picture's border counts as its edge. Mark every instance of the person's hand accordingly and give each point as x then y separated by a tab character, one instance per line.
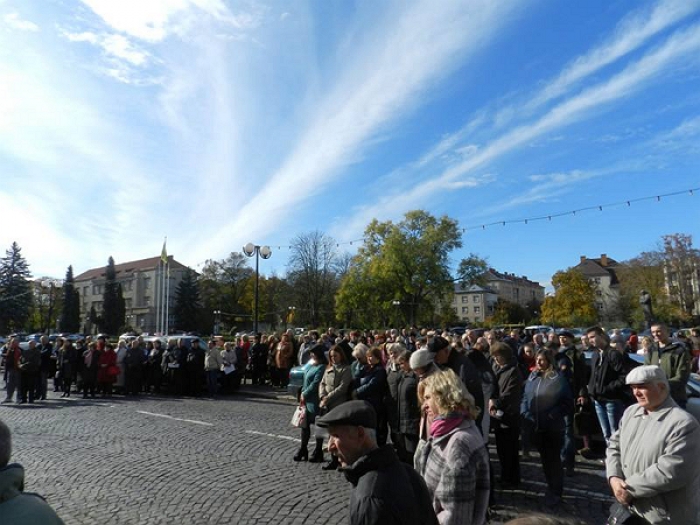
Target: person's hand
619	488
301	398
582	400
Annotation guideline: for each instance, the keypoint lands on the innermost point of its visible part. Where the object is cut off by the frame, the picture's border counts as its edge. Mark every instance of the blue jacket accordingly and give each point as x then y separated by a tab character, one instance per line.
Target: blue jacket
546	400
312	380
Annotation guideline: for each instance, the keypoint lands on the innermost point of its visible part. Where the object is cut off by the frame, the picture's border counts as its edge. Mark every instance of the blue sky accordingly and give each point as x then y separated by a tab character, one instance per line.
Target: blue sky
216	123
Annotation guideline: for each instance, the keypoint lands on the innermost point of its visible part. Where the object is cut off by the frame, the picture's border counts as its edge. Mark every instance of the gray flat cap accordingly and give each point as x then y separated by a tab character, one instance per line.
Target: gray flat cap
421	358
646	374
352	413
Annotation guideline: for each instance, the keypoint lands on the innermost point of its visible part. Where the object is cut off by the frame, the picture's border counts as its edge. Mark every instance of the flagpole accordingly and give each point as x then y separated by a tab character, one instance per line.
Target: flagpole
158	298
167	298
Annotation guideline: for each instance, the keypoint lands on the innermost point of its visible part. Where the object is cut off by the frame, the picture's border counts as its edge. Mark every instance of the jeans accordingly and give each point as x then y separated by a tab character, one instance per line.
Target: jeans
609	414
212	382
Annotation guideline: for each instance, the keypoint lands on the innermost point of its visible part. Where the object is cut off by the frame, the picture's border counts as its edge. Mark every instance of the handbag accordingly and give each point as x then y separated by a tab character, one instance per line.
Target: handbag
299	417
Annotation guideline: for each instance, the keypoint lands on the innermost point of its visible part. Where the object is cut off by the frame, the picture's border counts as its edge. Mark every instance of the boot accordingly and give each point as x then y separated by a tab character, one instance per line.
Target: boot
333	464
303	453
317	455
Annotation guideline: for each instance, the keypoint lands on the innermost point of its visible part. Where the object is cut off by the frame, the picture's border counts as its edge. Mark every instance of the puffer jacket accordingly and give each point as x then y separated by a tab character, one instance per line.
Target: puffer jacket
17	506
546	400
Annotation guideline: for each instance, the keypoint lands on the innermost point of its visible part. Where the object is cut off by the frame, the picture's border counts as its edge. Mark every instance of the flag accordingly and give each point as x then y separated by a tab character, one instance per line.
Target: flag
164	254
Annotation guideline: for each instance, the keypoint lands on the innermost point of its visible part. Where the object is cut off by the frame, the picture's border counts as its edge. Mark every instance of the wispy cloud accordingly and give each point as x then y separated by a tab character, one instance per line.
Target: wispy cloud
633	78
423	46
14	21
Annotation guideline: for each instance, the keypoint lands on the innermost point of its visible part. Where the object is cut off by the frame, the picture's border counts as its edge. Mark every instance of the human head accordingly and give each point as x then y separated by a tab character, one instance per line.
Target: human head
374	356
566	338
440	347
659	332
649	385
443	392
404	360
421	362
318	353
538	338
44	339
351	430
544	360
360	352
597	337
336	355
647	342
529	350
502	353
5	444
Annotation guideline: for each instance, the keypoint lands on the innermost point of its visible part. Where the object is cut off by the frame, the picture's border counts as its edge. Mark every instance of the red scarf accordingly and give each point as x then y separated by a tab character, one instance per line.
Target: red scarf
442	425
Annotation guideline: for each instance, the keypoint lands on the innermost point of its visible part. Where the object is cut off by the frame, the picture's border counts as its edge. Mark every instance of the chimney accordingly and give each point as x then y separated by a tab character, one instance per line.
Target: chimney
603	259
583	258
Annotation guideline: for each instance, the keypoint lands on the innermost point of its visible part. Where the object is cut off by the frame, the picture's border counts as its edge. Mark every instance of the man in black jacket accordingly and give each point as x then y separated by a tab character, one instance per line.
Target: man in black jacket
607	383
386	491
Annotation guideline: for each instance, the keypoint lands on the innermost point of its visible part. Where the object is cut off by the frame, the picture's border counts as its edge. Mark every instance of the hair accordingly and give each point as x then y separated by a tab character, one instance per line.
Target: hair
404	355
319	352
596	330
376	352
449	393
502	350
548	355
360	350
5	444
339	351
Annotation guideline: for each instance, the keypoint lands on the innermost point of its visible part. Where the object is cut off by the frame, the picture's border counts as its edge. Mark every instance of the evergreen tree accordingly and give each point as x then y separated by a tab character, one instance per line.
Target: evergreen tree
93	320
70	313
109	320
187	303
15	290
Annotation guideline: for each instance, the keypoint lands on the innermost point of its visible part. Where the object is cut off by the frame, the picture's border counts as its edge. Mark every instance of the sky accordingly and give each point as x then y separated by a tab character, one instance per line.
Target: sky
216	123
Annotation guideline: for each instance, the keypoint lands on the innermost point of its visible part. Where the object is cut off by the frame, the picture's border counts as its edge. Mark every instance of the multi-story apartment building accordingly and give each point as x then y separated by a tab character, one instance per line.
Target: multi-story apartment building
602	275
143	288
513	288
473	304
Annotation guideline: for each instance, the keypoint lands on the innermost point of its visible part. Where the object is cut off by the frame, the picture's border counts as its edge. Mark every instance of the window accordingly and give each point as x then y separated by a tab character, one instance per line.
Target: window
127	286
96	289
146	300
147	283
86	290
465	298
477	298
465	309
128	302
477	309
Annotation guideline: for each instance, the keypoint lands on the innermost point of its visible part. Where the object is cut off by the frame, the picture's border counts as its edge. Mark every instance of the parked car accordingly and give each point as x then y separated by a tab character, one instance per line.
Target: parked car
693	390
296	380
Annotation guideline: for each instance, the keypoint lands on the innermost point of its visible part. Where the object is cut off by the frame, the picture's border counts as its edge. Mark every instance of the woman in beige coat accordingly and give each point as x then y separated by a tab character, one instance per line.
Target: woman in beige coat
335	388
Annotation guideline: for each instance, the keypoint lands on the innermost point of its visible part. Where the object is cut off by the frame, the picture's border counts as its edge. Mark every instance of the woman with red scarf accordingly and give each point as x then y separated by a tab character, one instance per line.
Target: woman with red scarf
454	461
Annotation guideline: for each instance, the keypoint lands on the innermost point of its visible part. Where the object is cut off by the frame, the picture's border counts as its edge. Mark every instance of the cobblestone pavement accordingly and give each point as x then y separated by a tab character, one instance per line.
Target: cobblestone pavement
159	460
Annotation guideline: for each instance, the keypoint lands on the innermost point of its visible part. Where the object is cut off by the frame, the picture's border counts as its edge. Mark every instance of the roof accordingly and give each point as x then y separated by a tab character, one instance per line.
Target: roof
594	268
460	288
493	275
129	267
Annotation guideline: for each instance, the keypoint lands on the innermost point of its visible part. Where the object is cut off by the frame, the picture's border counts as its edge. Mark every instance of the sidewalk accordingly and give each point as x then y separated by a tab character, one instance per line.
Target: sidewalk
265	391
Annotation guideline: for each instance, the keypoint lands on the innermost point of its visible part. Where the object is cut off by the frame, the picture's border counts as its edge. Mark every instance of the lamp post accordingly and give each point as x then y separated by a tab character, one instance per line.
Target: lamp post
397	304
217	314
265	252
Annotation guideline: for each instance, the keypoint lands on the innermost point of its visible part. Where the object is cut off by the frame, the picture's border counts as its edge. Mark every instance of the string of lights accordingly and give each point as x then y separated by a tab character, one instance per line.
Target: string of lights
526	220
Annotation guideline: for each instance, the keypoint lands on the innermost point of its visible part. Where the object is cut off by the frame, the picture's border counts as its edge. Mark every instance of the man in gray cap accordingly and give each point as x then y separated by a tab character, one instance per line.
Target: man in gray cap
386	491
653	460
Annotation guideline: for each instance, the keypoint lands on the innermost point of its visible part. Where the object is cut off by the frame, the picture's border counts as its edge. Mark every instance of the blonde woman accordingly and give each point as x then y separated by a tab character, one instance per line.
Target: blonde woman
454	461
646	346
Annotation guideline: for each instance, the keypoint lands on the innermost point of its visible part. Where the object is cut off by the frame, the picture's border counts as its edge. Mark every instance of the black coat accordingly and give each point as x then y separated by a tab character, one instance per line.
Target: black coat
371	387
393	376
509	395
461	365
387	491
608	373
408	407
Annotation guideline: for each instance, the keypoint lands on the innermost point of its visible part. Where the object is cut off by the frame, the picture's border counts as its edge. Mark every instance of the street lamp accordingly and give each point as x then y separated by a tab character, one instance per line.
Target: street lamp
217	314
265	252
397	304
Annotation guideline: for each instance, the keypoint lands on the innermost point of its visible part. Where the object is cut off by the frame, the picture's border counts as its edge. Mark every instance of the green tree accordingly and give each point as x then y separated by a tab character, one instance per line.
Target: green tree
405	263
110	320
507	312
573	302
222	286
188	306
70	311
15	290
682	262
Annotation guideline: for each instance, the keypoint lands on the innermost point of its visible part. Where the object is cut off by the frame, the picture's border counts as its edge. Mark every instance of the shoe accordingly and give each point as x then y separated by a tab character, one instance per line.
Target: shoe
302	455
6	400
316	457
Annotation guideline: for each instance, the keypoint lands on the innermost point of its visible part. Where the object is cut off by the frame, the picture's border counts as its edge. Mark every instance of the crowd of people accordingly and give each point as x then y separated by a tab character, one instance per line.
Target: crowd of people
427	400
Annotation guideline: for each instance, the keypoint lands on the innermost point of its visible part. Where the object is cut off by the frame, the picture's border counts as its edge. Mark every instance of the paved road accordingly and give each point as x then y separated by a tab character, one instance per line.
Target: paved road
159	460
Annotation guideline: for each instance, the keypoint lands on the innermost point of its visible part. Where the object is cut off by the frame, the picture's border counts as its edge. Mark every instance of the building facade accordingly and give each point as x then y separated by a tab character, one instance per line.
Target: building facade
144	286
601	274
513	288
473	304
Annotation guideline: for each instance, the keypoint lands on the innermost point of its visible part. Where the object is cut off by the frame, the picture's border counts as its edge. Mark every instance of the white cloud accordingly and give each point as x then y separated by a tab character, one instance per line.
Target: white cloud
14	21
637	76
155	20
85	36
425	43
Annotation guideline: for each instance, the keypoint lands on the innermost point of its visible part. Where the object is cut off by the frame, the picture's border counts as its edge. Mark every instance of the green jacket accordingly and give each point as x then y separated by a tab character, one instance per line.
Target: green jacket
17	506
674	360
